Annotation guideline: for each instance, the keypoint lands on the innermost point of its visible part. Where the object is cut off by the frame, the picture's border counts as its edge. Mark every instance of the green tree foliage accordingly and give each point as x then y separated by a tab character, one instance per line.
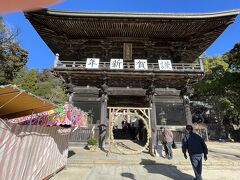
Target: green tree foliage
233	57
12	57
13	71
221	85
42	84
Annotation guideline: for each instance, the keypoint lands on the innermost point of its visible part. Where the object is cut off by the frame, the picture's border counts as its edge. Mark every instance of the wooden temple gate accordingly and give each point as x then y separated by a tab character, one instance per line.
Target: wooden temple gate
133	39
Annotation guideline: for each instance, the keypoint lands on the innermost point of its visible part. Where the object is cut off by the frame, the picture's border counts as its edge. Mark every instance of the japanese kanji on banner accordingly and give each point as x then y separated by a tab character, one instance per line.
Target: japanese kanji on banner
165	65
92	63
140	64
116	64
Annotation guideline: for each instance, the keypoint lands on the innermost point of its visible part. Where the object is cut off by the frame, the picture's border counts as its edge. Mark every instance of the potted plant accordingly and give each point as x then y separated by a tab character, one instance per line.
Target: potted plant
92	143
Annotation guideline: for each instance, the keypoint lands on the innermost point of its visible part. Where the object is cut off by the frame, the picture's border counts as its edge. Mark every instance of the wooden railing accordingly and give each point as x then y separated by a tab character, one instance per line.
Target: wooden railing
177	135
129	66
82	134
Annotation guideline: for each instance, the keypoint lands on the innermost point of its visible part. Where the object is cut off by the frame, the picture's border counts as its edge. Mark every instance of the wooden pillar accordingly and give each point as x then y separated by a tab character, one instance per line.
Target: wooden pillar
185	93
68	88
103	118
153	121
188	114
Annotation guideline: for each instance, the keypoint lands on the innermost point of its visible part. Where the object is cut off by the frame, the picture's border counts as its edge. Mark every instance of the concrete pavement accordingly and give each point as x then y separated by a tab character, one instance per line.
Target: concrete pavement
140	172
223	163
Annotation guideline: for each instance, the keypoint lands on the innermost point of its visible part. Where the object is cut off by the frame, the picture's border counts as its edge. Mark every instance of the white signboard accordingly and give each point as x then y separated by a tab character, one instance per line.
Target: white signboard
92	63
116	64
140	64
165	65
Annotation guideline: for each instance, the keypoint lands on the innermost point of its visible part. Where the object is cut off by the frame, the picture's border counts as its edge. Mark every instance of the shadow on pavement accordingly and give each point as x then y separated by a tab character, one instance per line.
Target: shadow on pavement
71	153
125	146
169	171
128	175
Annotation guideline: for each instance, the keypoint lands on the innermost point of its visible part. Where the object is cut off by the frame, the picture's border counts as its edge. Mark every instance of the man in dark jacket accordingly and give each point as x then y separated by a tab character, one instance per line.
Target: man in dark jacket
196	147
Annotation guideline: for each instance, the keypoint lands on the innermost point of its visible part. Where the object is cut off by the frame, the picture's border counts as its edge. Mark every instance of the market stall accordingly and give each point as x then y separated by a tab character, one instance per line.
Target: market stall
33	139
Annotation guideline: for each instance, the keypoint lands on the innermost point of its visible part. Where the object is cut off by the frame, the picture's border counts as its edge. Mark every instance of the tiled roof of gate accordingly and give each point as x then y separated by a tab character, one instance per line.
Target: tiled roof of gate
185	35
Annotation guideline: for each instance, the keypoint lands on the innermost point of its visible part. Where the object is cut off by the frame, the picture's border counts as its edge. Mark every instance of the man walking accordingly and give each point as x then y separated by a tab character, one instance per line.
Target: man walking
168	141
196	147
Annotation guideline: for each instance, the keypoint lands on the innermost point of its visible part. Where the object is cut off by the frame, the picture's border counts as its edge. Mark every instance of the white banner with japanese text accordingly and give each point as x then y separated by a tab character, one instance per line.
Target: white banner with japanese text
116	64
165	65
140	64
92	63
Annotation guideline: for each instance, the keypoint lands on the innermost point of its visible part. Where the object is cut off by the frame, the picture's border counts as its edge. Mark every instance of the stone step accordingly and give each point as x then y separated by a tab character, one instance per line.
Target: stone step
182	167
90	162
219	158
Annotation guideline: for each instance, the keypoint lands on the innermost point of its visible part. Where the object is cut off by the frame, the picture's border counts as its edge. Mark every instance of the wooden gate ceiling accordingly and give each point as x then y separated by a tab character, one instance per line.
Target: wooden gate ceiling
79	35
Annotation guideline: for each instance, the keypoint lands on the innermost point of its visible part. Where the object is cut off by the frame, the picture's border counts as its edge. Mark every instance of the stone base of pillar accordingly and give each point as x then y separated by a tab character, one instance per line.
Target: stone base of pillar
153	142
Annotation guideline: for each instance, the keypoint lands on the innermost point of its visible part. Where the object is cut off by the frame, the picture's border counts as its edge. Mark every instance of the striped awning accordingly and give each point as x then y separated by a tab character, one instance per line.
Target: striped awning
15	102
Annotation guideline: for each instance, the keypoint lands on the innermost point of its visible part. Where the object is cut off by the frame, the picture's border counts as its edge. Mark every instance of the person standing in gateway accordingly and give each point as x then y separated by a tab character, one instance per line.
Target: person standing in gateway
167	142
196	147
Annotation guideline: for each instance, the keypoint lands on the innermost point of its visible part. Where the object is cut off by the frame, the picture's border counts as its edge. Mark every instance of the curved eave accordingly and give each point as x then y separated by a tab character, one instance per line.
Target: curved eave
136	14
185	36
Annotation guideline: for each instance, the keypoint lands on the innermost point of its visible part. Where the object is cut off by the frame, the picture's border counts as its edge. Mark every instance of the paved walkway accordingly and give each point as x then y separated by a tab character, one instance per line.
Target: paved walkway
223	163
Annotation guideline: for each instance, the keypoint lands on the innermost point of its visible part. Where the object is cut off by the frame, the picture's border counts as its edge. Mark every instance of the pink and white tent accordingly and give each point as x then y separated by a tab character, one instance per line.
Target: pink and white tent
28	151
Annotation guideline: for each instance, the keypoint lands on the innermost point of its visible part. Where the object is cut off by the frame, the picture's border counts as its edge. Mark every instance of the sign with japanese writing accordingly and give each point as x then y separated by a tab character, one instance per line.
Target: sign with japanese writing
165	65
140	64
92	63
127	51
116	64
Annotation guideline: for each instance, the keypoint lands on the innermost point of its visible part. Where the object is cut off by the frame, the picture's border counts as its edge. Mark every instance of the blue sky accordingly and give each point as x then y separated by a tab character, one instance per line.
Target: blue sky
40	56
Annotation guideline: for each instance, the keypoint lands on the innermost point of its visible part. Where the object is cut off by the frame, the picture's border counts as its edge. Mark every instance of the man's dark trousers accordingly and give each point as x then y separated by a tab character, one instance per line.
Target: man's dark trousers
196	161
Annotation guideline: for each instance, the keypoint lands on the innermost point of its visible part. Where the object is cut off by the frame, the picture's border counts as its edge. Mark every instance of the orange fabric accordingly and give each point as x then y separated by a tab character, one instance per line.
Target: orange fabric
15	102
